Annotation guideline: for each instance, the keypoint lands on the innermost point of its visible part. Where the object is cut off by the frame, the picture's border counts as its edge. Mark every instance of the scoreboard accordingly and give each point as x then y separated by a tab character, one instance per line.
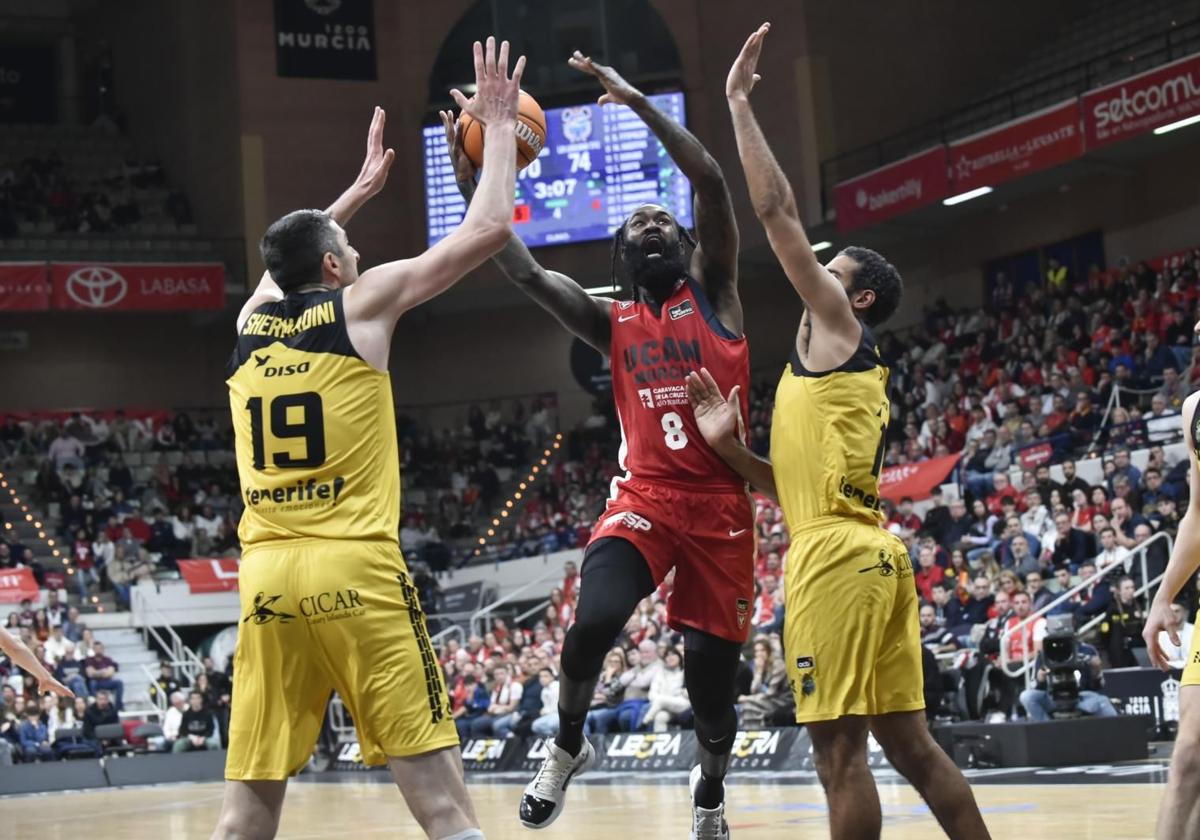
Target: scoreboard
597	166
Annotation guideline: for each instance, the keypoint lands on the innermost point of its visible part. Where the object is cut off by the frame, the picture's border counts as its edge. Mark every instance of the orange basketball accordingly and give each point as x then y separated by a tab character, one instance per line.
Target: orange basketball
531	133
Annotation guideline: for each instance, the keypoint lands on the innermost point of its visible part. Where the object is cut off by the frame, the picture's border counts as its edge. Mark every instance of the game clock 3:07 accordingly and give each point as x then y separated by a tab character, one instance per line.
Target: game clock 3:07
598	165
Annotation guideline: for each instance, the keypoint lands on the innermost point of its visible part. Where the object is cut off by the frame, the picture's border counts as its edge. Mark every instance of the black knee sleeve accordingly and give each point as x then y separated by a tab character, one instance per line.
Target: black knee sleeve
615	577
710	668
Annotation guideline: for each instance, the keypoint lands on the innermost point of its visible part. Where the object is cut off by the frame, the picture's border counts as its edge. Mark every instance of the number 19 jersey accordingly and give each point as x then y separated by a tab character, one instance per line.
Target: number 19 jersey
314	427
651	354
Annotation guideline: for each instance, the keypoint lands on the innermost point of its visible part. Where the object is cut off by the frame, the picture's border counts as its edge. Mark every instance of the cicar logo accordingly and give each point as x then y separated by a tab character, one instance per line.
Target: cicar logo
655	745
483	749
756	744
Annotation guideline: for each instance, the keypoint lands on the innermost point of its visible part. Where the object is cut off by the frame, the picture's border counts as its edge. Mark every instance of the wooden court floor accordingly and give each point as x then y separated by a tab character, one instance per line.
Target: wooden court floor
619	809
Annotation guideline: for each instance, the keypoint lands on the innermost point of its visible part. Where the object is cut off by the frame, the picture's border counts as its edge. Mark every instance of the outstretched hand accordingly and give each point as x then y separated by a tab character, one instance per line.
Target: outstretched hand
741	75
496	92
719	418
376	164
464	169
618	91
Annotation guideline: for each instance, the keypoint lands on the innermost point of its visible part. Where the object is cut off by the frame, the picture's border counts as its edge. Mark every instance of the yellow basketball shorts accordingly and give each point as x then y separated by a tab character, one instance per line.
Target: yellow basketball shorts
1191	665
851	636
319	615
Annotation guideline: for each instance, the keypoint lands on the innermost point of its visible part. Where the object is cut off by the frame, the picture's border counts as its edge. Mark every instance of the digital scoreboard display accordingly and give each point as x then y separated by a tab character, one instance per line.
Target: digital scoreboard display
597	166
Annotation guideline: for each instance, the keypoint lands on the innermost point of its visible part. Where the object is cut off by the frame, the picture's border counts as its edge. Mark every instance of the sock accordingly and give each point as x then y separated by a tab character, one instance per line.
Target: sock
710	792
468	834
570	732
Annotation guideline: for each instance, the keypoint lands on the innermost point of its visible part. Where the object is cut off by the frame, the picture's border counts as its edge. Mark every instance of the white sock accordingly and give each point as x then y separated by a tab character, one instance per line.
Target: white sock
467	834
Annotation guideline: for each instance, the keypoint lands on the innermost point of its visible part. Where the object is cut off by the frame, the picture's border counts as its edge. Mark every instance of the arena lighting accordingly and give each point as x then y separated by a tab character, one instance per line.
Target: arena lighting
504	514
821	246
1164	129
521	486
967	196
491	532
50	543
602	290
517	495
41	535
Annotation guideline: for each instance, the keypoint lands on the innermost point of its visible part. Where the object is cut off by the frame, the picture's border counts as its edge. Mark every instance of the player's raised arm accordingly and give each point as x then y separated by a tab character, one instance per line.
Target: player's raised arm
387	291
714	262
562	297
1185	555
775	203
23	658
371	179
720	420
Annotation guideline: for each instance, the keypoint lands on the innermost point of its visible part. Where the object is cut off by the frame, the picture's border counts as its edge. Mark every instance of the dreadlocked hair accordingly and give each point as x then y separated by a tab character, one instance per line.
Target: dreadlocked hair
618	277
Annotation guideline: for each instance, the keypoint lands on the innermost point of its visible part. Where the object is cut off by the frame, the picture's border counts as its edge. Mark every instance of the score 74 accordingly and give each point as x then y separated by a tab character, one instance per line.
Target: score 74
580	162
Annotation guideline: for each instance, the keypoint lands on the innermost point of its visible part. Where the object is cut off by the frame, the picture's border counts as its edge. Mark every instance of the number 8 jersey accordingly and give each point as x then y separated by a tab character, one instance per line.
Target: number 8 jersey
314	427
651	355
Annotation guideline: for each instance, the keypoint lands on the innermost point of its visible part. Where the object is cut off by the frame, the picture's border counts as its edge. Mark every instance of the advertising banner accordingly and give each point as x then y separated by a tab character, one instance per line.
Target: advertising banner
1037	141
915	480
891	190
325	39
16	585
24	286
130	286
219	575
1142	103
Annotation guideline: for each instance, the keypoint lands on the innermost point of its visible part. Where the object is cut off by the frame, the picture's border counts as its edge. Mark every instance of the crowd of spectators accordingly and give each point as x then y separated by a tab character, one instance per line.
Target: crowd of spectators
40	190
505	683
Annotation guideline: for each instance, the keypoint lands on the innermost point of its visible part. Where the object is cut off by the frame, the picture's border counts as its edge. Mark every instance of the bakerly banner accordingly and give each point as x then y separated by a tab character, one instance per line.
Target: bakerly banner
325	39
128	286
891	190
24	286
1037	141
219	575
1142	103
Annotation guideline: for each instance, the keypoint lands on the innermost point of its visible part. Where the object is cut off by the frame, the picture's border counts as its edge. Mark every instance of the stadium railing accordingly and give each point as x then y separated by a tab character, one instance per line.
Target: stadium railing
479	618
1026	667
185	661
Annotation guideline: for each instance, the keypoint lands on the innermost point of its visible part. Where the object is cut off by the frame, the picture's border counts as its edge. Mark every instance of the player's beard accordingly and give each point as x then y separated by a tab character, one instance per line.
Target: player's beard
656	273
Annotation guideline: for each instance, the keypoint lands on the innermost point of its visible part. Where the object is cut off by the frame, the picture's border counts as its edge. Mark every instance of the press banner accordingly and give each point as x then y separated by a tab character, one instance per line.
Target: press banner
891	190
17	585
1142	103
138	286
915	480
325	39
1034	142
219	575
24	286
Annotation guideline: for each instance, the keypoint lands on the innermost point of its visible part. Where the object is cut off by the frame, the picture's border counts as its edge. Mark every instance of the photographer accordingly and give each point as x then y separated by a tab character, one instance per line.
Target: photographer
1084	667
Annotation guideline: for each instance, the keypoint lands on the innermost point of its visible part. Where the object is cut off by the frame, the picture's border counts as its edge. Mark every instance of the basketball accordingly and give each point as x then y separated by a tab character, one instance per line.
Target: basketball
531	133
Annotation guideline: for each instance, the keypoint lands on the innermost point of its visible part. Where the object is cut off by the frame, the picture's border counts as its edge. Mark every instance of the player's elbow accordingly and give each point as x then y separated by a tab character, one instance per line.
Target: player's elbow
491	236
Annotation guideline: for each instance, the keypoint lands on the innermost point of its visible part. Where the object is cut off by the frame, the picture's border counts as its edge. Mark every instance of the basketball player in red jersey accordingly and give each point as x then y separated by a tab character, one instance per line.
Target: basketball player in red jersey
678	505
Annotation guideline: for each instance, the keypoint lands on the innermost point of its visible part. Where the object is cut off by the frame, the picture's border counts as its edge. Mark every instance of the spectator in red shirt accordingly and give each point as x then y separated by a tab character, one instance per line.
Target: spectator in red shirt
1002	489
570	585
904	516
102	675
927	572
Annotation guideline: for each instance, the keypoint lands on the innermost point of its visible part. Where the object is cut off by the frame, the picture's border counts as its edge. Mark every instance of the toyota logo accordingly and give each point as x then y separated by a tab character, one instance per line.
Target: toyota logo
96	287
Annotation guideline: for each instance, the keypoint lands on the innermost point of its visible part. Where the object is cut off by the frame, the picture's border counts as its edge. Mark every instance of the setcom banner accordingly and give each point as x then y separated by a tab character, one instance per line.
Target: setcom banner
1142	103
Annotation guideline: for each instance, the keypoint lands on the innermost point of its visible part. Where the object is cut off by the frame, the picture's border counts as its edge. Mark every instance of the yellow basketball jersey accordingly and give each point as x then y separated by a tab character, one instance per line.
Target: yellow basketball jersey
315	431
828	435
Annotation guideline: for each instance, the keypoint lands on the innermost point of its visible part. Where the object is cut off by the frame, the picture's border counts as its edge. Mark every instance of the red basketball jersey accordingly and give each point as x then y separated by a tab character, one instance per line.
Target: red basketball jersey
651	355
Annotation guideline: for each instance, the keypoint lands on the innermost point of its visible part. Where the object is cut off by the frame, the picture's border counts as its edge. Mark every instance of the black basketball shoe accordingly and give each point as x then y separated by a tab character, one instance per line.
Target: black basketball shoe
545	796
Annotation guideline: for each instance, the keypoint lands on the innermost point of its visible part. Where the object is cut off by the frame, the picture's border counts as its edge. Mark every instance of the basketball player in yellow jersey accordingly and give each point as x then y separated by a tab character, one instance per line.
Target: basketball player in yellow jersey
327	601
851	630
1179	813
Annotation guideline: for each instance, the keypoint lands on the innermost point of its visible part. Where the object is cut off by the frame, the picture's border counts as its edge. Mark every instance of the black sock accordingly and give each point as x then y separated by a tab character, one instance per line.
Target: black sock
710	792
570	732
